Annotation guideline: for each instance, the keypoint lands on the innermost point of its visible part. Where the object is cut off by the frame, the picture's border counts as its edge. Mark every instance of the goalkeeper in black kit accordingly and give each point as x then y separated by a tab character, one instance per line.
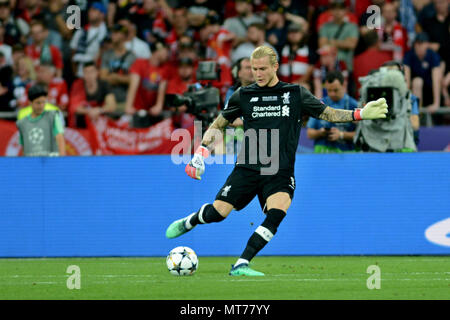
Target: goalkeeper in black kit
271	111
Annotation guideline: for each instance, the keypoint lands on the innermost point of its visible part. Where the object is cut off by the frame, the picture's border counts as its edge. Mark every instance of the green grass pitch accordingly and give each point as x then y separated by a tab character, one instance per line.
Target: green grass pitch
287	278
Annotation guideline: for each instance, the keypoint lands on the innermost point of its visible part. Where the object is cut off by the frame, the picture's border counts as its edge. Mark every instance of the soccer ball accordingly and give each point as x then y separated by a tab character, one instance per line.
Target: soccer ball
182	261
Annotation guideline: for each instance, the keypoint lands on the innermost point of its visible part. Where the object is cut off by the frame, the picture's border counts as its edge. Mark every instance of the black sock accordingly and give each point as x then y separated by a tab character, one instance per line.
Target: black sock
206	214
263	234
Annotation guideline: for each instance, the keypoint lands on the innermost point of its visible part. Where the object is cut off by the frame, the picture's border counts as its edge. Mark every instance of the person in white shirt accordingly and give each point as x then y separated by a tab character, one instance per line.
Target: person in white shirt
138	47
86	42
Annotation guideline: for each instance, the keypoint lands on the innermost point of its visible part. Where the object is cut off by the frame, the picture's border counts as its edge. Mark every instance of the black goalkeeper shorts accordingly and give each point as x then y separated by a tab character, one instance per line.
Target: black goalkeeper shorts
244	184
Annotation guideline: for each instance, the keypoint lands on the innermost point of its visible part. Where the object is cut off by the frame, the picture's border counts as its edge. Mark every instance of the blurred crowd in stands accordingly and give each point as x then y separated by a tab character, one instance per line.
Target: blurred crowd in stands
128	54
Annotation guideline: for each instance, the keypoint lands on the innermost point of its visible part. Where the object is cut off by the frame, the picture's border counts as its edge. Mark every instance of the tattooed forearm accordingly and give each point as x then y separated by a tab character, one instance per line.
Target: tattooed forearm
336	115
214	131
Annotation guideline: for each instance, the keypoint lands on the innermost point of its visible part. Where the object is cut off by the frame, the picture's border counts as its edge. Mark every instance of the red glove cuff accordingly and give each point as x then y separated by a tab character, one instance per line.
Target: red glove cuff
203	151
357	115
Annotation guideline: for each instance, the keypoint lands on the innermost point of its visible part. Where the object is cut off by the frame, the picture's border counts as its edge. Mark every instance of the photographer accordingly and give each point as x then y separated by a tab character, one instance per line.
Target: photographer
395	133
333	137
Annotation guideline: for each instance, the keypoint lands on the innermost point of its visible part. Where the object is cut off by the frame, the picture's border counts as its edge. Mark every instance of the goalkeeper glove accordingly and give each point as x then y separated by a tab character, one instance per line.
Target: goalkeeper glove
196	167
372	110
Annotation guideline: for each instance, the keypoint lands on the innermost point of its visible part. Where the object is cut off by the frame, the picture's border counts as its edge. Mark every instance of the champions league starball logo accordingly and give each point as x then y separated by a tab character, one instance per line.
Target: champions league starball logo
36	136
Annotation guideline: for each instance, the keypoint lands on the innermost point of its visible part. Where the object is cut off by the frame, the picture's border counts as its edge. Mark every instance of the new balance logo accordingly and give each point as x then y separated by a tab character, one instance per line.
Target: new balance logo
225	191
254	99
285	111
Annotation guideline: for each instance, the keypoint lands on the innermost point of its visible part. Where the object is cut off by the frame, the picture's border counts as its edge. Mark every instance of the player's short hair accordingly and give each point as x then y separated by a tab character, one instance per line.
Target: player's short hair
265	51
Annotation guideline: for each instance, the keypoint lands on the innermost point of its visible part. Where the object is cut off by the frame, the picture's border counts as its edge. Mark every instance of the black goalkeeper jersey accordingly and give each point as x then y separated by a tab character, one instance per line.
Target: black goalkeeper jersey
272	121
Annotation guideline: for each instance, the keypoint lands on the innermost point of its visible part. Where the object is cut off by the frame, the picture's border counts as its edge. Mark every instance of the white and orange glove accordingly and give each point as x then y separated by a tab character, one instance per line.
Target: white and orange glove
196	167
372	110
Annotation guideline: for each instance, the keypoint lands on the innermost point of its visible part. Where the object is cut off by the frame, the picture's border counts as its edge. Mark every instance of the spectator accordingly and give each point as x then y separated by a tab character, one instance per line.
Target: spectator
332	137
56	87
86	42
340	34
116	64
55	15
148	83
16	29
180	27
296	8
6	86
371	59
213	6
90	96
118	10
393	36
438	29
185	76
151	19
138	47
296	60
41	50
408	18
186	49
423	73
329	16
239	24
5	49
31	11
41	133
276	26
23	74
256	36
327	62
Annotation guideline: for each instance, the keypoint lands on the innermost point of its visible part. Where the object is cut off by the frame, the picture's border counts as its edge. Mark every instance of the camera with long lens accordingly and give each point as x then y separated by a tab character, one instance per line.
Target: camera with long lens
201	101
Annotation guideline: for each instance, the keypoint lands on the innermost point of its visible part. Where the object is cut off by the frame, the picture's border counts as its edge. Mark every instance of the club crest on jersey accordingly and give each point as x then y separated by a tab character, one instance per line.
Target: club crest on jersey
286	97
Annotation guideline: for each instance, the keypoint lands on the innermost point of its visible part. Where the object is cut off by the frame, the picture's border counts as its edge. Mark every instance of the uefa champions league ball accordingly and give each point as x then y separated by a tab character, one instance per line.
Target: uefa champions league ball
182	261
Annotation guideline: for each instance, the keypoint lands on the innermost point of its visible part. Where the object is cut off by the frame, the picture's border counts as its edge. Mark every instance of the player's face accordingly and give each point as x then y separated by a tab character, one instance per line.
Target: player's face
38	105
264	72
335	90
